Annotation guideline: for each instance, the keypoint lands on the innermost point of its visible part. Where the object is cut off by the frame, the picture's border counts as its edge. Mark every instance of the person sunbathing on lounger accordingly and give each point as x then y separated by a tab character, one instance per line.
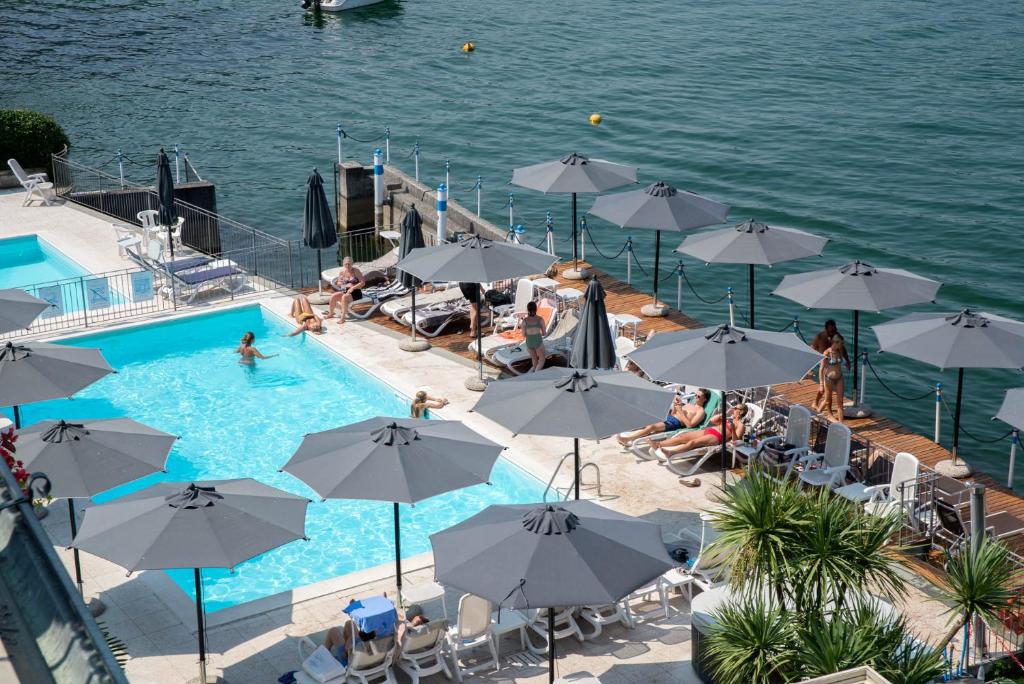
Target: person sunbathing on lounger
680	416
350	283
303	314
709	436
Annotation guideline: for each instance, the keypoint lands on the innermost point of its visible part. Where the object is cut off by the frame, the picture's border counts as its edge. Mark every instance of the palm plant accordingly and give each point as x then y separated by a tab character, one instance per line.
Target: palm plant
753	642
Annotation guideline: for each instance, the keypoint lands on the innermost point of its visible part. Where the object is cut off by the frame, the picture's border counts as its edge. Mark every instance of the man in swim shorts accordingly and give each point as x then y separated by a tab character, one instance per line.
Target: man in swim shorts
680	417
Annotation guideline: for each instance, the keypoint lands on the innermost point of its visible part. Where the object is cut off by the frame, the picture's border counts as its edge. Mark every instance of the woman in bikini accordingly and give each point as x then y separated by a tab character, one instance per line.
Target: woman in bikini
350	283
533	331
303	314
423	402
248	351
711	435
832	378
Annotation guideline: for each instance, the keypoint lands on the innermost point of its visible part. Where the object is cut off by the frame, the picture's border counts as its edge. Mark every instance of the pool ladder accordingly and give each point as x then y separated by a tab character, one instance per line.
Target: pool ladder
569	489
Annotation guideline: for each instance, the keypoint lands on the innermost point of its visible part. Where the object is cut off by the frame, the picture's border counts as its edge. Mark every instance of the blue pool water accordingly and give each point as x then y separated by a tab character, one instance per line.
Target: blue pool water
235	421
29	260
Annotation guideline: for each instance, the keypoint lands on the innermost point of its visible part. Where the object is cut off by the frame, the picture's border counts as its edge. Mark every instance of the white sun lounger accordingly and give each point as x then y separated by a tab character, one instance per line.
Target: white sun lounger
376	296
507	338
432	320
397	307
686	463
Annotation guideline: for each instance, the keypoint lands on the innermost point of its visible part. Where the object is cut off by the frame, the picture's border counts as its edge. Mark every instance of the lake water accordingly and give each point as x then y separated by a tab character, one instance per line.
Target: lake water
892	128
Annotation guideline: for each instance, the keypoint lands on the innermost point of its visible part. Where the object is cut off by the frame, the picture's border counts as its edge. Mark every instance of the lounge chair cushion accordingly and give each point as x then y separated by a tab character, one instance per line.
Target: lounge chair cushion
197	277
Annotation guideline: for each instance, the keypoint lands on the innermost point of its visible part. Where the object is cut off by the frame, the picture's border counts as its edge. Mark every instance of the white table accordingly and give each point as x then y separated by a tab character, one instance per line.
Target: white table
392	235
424	593
747	451
626	321
568	296
511	621
548	285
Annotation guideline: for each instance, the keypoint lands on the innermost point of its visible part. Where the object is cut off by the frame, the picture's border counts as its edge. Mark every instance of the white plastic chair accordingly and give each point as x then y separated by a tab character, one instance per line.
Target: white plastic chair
510	315
472	630
150	220
422	652
565	626
890	497
369	661
829	468
126	237
599	616
794	442
34	183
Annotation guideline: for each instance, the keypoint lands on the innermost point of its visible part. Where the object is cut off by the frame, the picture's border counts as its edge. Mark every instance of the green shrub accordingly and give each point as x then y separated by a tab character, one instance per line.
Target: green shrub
29	137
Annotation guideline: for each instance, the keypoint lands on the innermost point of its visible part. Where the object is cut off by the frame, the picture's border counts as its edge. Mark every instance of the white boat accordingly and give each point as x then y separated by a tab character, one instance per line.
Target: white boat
336	5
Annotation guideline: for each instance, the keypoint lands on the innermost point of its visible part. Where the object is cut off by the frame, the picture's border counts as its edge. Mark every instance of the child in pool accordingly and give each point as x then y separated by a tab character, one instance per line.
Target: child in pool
248	351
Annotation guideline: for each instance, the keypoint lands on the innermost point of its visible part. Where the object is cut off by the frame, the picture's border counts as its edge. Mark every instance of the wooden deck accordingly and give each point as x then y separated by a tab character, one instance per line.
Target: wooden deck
624	299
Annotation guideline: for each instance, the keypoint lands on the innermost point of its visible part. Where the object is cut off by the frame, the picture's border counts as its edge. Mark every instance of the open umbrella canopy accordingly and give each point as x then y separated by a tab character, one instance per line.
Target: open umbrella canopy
411	238
211	524
37	371
726	358
84	459
401	460
18	309
966	339
752	242
1012	410
858	287
566	402
543	555
318	228
574	173
659	206
475	260
593	346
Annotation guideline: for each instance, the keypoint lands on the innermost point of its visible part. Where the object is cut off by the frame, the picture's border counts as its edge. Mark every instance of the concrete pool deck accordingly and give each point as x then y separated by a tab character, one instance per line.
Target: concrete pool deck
256	642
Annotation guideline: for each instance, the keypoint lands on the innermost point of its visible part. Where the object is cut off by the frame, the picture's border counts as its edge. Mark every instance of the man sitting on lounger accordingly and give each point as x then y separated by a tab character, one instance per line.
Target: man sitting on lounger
709	436
680	416
349	283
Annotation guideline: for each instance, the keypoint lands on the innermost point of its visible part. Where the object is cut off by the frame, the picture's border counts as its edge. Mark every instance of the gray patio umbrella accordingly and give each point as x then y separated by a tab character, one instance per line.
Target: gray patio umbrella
577	403
18	309
547	556
476	260
967	339
211	524
753	243
574	174
401	460
85	459
857	286
659	207
412	238
593	346
165	196
318	228
726	359
1012	410
37	371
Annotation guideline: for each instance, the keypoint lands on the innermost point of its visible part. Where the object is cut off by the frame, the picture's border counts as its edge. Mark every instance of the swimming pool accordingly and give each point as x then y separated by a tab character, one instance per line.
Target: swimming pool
29	260
234	421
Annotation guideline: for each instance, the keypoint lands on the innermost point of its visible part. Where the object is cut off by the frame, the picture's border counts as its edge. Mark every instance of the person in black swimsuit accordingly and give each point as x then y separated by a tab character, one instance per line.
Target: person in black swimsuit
471	291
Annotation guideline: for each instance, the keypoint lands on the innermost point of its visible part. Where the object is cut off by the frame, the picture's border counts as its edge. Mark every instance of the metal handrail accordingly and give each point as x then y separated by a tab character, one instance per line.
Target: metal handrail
558	468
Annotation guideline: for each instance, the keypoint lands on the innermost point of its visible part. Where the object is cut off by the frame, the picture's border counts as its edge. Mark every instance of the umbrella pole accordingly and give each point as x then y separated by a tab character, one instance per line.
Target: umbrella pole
956	413
575	262
17	417
170	243
576	465
722	429
78	563
201	626
398	556
856	352
479	336
319	278
551	644
752	326
657	258
414	311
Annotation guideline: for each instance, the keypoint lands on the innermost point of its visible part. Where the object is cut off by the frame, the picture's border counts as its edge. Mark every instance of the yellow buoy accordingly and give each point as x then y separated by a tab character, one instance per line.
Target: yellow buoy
468	47
595	119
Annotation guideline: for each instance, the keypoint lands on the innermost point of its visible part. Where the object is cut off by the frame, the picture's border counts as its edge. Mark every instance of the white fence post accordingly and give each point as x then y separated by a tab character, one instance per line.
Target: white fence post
378	188
442	213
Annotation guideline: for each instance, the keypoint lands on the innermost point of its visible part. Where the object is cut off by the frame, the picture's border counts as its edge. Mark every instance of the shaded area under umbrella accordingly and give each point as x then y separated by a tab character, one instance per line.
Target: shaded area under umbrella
659	207
38	371
165	197
752	243
397	460
211	524
18	309
577	403
85	459
593	345
574	174
546	556
966	339
318	228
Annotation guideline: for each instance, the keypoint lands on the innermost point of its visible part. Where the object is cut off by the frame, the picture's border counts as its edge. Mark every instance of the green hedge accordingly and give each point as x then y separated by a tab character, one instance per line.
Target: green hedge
29	137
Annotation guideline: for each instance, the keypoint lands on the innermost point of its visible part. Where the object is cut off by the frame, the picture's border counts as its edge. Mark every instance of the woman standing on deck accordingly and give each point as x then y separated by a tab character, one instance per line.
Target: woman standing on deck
832	379
533	331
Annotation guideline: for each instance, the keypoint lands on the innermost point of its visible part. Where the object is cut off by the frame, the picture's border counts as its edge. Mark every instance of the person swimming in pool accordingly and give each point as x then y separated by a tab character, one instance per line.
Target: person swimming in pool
248	351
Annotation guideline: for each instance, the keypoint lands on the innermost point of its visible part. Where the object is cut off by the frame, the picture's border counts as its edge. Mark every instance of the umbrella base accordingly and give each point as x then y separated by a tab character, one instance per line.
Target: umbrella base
654	310
417	345
857	411
576	273
475	384
320	298
955	470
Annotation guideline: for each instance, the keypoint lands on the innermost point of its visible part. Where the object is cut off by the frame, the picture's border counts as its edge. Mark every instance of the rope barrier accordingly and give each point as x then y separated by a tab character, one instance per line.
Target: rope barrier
973	437
635	260
371	140
697	294
891	391
586	233
671	274
787	326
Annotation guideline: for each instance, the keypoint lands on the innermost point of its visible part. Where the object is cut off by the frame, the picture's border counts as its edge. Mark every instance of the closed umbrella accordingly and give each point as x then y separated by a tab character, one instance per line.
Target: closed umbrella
726	359
966	339
574	174
318	228
401	460
659	207
211	524
18	309
85	459
577	403
753	243
412	238
165	196
38	371
593	346
547	556
476	260
857	286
